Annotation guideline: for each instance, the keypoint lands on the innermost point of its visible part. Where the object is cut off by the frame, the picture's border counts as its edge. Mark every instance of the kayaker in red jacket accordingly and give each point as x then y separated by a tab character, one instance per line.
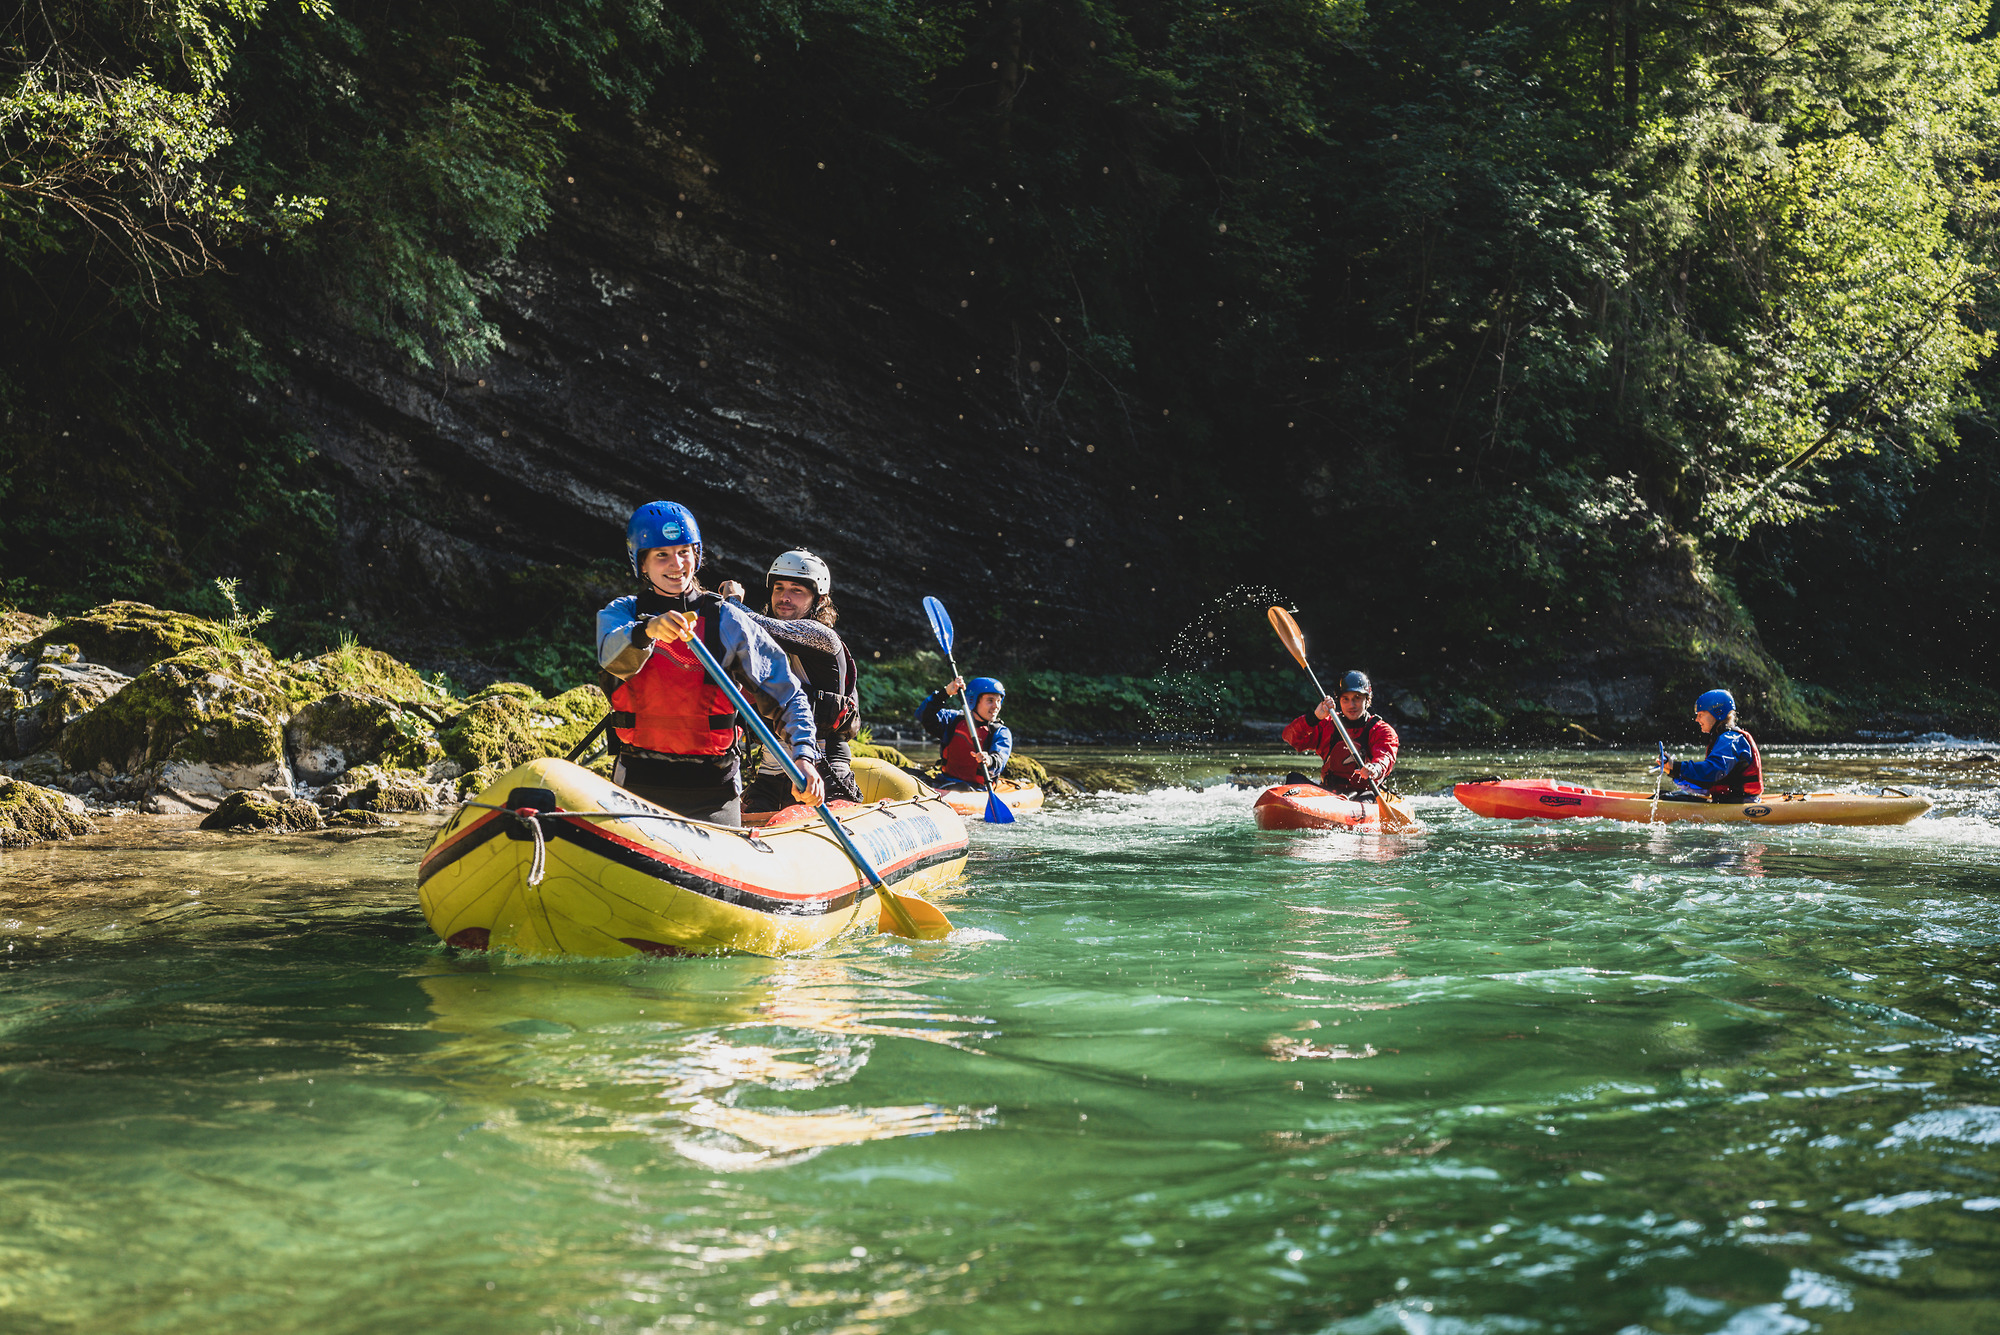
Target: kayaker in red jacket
1315	734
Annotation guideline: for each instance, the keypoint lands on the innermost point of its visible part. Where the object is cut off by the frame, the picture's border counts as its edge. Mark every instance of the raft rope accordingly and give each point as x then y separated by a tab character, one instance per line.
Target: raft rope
532	817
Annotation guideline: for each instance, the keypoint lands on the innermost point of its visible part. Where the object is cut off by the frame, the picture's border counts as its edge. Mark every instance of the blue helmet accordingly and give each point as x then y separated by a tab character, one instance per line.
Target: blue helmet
661	524
979	686
1719	703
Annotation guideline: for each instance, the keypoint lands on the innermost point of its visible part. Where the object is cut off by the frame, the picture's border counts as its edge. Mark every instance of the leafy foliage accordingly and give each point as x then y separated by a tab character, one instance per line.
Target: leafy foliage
1503	295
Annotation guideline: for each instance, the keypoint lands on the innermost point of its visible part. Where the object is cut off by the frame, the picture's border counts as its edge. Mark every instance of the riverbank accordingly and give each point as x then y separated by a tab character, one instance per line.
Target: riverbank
166	712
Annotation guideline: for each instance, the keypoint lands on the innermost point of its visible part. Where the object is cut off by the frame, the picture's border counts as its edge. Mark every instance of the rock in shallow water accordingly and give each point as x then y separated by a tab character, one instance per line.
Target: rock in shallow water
358	820
334	734
373	788
256	811
30	814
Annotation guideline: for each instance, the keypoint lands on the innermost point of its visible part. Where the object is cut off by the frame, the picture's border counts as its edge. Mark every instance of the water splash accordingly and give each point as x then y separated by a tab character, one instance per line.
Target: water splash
1197	705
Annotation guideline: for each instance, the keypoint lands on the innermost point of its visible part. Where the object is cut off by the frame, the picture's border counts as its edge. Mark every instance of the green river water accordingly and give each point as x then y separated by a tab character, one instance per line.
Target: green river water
1170	1074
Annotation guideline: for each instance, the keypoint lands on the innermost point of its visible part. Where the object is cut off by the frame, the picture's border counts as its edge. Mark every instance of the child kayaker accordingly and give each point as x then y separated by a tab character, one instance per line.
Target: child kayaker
1373	738
799	616
966	763
676	730
1733	771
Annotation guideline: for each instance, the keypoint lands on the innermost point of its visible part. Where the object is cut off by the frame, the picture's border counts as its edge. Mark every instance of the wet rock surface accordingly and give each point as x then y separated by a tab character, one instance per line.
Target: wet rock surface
32	814
257	811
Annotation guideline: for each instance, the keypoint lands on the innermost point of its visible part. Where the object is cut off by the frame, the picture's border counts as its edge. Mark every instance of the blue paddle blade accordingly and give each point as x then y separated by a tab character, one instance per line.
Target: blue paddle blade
997	811
940	624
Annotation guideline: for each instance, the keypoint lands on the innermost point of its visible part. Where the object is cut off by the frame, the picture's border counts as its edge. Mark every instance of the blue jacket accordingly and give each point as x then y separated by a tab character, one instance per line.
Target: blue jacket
1723	756
939	723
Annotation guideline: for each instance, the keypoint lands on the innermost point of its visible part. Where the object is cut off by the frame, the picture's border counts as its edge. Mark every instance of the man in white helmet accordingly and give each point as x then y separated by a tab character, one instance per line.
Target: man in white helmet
799	614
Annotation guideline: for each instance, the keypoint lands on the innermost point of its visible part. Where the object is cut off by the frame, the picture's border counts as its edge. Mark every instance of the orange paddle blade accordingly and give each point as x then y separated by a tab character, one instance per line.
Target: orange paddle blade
1396	817
1290	635
908	916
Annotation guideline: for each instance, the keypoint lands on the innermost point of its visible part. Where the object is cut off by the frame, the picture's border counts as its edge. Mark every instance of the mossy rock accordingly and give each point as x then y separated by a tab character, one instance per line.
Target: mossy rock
190	730
20	627
354	819
1105	778
508	724
875	751
474	782
259	811
362	671
513	690
44	692
32	814
131	637
374	788
337	732
1025	769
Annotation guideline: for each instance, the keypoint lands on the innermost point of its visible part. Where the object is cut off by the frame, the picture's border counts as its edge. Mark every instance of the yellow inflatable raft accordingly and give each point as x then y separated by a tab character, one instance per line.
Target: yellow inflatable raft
878	780
597	871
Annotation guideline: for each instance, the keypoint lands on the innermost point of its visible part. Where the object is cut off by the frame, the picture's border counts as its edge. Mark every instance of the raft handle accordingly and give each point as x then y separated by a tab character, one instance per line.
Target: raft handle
1897	791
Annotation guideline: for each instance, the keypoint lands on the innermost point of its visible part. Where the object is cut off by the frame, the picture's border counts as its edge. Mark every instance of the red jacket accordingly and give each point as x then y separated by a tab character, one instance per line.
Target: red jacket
1373	738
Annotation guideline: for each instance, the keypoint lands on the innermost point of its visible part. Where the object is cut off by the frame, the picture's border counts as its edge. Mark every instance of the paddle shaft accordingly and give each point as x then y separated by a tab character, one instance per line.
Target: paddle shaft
591	736
798	778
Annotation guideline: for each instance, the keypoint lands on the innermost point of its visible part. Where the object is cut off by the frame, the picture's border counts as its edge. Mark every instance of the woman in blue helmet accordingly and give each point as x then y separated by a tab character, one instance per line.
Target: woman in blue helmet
967	763
1733	770
676	730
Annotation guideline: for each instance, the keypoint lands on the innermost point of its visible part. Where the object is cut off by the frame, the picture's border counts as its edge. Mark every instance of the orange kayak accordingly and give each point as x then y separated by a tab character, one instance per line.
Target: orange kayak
1305	806
972	801
1545	799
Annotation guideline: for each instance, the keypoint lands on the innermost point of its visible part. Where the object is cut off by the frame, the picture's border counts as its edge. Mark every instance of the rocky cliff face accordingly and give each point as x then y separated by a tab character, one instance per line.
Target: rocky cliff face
665	341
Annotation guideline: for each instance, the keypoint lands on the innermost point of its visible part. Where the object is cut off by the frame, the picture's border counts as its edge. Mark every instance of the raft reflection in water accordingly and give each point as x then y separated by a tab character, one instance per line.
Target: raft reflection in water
563	1058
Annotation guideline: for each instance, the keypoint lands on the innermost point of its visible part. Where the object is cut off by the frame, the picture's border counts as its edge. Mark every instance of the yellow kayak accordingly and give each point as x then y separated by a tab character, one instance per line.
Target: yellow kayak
612	874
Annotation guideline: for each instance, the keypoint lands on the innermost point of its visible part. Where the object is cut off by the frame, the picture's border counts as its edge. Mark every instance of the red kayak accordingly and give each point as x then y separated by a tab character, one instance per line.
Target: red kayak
1305	806
1545	799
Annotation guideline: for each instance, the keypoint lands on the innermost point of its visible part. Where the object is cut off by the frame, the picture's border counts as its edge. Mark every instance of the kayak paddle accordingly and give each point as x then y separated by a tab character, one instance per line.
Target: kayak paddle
997	811
1294	640
918	919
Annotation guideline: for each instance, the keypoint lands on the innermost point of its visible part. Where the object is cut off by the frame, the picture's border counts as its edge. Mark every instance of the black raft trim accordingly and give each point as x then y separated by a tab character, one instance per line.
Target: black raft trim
595	841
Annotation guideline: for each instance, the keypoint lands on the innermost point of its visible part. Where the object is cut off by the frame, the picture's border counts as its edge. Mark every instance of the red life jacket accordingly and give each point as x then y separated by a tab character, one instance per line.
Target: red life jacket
1745	778
957	755
675	709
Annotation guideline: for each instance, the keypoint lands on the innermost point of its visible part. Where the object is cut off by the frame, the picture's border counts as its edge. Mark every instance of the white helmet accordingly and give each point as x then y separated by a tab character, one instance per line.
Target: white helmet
803	566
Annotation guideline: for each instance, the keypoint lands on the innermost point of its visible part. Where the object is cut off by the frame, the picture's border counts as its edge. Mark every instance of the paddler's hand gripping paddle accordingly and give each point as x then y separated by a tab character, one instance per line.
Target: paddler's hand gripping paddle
1685	787
997	811
1294	640
917	919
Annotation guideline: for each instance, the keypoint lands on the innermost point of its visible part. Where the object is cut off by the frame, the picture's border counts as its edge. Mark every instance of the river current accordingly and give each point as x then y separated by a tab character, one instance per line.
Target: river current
1171	1073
